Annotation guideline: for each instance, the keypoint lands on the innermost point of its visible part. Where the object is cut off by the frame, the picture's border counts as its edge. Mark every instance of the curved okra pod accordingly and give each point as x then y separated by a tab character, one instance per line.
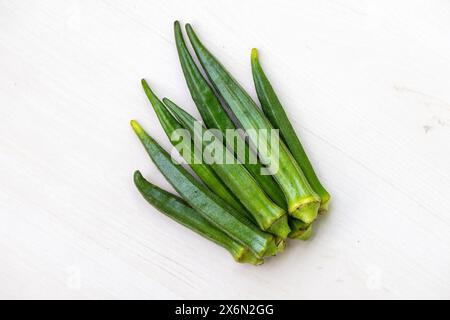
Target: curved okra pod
303	202
204	201
274	111
178	210
203	171
267	214
215	117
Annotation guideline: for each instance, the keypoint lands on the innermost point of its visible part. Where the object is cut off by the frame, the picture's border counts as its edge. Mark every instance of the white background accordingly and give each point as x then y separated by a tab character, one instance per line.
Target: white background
366	84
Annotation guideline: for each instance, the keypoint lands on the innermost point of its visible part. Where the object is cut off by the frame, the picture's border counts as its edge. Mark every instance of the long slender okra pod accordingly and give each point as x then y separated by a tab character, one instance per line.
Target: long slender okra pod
274	111
207	203
303	202
178	210
267	214
204	172
215	117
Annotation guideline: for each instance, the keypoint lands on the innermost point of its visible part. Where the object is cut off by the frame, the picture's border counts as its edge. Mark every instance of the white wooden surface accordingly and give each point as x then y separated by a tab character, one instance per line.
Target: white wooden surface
365	82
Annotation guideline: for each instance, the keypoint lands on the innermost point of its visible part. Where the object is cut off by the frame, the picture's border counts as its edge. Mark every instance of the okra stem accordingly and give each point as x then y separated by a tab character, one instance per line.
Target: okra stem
273	109
299	229
207	203
178	210
302	201
267	214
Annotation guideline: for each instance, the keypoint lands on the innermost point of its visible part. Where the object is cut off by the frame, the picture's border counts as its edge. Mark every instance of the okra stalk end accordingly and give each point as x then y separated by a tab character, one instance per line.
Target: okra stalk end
281	244
300	230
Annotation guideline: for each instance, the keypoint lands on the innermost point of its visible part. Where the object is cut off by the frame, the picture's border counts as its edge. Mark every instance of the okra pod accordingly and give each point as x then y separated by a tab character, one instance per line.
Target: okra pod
206	202
215	117
203	171
302	201
267	214
273	109
178	210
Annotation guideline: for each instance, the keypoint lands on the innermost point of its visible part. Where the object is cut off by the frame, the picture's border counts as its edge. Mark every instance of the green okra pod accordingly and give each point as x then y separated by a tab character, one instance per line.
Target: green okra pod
267	214
204	201
215	117
203	171
302	201
273	109
178	210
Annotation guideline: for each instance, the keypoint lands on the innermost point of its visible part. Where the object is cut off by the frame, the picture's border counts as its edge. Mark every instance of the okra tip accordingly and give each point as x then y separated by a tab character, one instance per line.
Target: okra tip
190	31
307	212
326	198
302	234
172	106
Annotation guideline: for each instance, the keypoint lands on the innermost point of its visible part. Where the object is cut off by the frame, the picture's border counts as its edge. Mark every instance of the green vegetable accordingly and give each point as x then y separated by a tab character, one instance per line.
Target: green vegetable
267	214
299	229
251	189
274	111
177	209
207	203
205	173
214	116
303	202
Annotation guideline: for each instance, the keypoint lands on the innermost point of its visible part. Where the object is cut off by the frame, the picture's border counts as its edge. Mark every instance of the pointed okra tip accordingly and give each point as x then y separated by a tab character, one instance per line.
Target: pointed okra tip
137	176
140	182
190	31
167	100
146	88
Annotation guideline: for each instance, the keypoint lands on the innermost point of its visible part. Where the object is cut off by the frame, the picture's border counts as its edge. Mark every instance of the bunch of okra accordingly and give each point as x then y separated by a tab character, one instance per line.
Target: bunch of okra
234	204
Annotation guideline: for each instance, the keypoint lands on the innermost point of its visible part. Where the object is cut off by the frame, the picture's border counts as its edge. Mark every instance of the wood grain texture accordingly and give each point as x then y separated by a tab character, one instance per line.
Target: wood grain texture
365	82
